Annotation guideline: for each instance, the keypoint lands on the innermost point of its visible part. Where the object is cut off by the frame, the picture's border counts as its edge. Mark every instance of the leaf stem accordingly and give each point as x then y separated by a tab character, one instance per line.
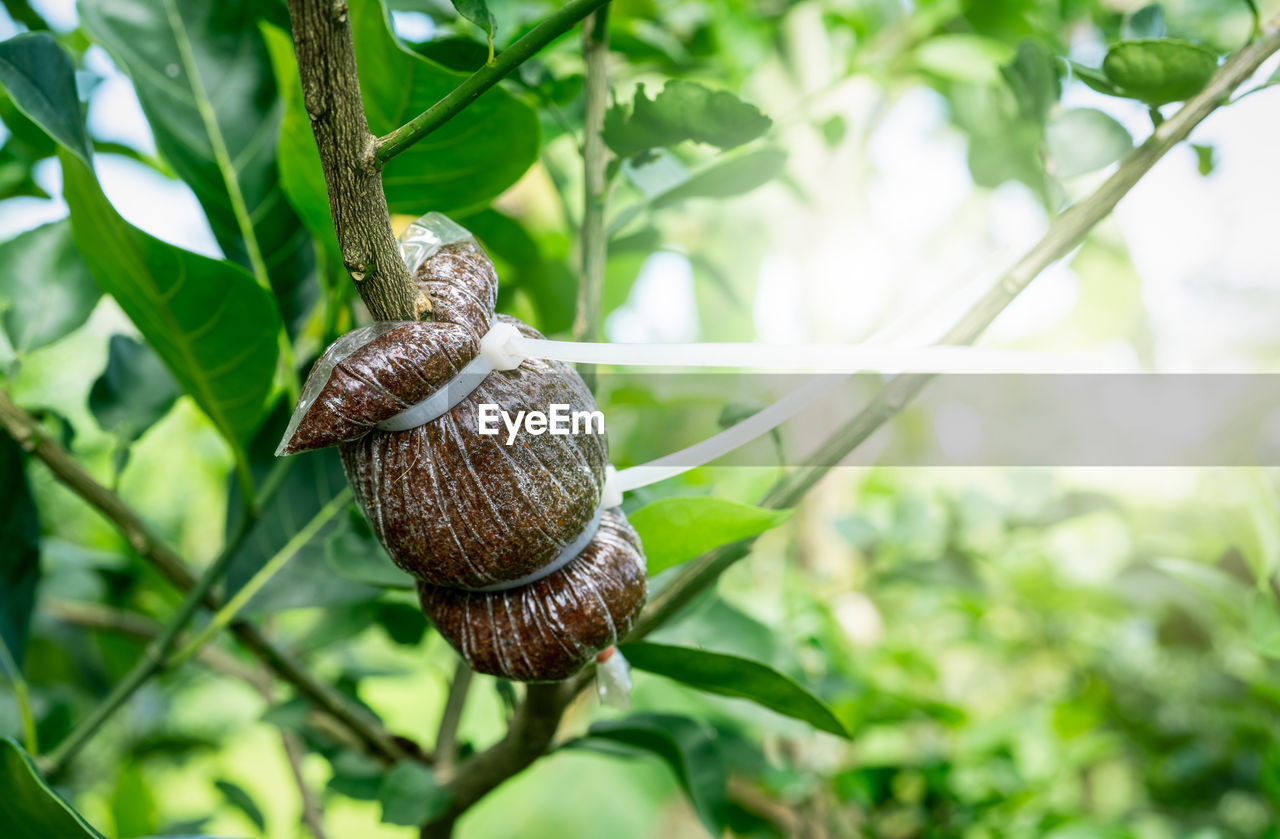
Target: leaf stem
24	429
529	738
224	616
157	655
447	738
555	25
22	693
594	240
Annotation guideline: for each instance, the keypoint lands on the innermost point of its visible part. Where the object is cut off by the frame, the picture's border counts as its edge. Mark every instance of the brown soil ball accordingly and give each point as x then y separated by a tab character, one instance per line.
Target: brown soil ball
549	629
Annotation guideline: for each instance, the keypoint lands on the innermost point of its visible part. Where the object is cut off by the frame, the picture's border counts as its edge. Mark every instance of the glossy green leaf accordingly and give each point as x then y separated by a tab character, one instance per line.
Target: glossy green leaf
312	481
41	82
1095	79
682	110
135	390
19	554
46	290
301	176
465	163
729	177
477	11
674	530
410	796
1082	140
29	808
239	798
354	552
687	746
211	323
1159	71
730	675
204	79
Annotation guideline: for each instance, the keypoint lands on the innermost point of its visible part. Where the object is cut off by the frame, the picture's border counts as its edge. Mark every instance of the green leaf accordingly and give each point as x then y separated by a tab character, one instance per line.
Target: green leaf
19	555
42	84
204	80
299	159
134	392
1159	71
29	808
687	746
354	552
1082	140
237	797
15	175
974	59
410	796
133	806
1095	79
211	323
1033	76
730	675
477	11
729	177
46	290
464	164
1147	22
1206	158
675	530
683	110
312	481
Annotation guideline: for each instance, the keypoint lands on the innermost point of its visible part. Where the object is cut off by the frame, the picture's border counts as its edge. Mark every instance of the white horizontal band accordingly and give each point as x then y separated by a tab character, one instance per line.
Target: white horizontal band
443	400
567	555
493	356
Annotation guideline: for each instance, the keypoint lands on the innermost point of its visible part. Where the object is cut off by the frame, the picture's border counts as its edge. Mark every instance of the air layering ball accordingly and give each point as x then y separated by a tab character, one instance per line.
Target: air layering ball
518	565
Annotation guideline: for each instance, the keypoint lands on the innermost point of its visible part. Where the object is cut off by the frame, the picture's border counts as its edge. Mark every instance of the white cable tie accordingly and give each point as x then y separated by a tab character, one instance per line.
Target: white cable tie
566	555
718	445
613	678
611	495
495	354
817	358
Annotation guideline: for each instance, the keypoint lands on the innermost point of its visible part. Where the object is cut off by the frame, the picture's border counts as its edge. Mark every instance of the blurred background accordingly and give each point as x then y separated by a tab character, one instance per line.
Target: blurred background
1018	652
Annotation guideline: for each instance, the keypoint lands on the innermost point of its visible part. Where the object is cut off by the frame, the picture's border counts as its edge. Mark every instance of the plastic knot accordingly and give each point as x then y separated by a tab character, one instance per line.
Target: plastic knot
497	348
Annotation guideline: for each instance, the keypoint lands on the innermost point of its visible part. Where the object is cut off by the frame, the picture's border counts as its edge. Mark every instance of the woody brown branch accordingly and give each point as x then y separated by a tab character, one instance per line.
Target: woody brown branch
331	92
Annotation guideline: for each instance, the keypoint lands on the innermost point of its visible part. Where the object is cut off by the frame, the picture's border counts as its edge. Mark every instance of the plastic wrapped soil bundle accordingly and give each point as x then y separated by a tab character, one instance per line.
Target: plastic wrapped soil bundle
518	565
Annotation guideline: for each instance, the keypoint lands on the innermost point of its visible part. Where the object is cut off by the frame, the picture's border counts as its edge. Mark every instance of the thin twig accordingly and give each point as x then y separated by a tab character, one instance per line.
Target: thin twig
331	91
525	742
446	750
312	807
26	431
593	240
96	616
555	25
1066	232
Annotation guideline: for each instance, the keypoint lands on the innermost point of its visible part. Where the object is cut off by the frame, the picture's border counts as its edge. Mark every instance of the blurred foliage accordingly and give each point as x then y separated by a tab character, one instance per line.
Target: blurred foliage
1023	653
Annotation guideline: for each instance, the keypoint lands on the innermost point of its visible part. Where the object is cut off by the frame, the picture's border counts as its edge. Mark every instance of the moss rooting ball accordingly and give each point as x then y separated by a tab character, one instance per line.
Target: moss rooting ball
517	565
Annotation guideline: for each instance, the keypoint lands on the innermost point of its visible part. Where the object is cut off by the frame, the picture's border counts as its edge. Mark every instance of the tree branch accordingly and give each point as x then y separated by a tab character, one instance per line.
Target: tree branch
529	739
1066	232
446	750
593	240
26	431
331	91
558	23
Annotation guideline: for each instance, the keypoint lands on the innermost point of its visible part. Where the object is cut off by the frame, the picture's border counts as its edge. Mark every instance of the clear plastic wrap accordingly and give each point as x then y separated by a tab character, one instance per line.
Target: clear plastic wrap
461	511
549	629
